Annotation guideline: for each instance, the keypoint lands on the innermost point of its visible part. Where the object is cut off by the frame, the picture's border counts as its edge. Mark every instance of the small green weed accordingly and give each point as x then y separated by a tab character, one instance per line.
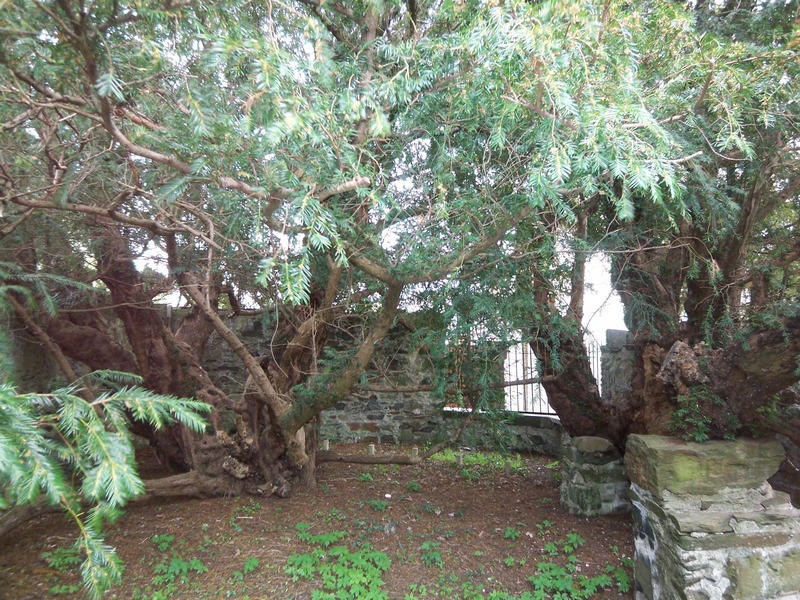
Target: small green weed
206	543
572	543
511	533
543	527
470	474
626	562
379	505
417	592
554	581
62	560
163	542
177	570
620	576
344	573
322	539
335	515
64	589
692	420
414	486
365	478
431	555
173	569
477	463
550	548
251	563
243	511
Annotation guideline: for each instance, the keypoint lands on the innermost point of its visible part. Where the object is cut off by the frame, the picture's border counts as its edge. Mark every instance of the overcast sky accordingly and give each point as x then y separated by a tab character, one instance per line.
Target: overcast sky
603	308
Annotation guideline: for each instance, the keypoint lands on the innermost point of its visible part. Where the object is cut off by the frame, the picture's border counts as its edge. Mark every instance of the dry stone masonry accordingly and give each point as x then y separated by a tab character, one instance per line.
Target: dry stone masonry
707	523
593	479
617	366
387	413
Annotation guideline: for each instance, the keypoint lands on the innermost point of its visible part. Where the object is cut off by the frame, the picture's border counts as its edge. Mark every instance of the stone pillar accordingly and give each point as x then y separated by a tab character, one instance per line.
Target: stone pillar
707	524
617	366
593	479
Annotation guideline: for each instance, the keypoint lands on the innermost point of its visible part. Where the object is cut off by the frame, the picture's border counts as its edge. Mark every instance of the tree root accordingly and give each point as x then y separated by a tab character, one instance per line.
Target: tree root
19	515
183	485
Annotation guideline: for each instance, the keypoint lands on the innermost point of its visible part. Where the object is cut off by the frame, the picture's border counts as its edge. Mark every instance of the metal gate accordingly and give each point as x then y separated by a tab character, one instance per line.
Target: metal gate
523	389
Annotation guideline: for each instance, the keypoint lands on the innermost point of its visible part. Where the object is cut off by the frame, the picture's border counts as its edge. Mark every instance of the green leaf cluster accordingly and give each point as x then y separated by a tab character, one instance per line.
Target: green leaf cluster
78	455
341	572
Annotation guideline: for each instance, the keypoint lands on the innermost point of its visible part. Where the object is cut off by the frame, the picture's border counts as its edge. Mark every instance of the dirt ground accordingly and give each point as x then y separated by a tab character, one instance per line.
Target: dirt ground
450	531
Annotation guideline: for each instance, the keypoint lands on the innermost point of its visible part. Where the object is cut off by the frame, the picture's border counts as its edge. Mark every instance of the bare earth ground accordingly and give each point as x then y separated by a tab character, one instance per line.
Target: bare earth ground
457	531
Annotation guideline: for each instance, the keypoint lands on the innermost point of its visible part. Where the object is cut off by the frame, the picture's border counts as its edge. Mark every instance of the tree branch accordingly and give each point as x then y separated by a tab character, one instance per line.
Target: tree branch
378	271
48	343
335	6
458	261
302	411
276	401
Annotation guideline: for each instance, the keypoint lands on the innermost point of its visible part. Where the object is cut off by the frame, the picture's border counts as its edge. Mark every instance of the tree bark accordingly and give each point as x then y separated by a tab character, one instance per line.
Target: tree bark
750	374
572	389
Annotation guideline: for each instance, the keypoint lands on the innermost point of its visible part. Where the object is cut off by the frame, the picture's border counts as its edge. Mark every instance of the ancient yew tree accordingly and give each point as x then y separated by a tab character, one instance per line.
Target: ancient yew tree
332	165
710	286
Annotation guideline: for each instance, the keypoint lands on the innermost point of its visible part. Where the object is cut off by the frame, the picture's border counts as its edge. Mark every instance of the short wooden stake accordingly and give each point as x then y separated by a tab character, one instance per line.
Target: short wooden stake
460	459
326	445
371	450
414	452
508	468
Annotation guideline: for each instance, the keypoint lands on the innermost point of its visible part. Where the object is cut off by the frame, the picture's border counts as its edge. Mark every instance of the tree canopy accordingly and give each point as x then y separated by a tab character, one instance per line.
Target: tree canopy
336	164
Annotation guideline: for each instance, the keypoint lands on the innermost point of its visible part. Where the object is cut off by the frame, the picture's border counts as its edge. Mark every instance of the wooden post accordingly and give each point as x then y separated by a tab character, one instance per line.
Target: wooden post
460	459
508	468
371	450
414	452
326	445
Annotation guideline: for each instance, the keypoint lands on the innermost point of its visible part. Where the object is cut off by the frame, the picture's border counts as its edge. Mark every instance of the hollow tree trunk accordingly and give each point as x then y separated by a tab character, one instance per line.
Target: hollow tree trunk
748	382
259	443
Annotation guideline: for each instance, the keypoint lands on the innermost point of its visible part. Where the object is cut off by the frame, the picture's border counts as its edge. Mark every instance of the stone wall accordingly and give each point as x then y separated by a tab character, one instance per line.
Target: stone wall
224	367
34	370
708	525
415	419
380	415
405	412
593	478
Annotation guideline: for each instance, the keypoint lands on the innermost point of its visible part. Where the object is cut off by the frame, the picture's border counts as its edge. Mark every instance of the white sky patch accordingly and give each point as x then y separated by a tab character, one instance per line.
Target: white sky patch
602	307
153	258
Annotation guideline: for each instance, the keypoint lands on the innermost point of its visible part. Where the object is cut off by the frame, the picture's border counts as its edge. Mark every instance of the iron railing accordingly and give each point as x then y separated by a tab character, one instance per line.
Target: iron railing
523	389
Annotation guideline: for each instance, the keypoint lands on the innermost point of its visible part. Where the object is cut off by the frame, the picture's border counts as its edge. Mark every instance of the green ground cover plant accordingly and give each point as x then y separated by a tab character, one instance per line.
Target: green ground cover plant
438	544
344	573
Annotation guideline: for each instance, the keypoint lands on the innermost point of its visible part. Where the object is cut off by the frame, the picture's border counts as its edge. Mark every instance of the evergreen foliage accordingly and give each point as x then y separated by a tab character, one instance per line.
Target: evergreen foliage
79	455
332	163
74	450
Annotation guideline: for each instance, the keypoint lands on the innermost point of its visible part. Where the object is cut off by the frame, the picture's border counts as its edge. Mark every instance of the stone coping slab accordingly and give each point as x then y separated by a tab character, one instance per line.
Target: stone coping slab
659	464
